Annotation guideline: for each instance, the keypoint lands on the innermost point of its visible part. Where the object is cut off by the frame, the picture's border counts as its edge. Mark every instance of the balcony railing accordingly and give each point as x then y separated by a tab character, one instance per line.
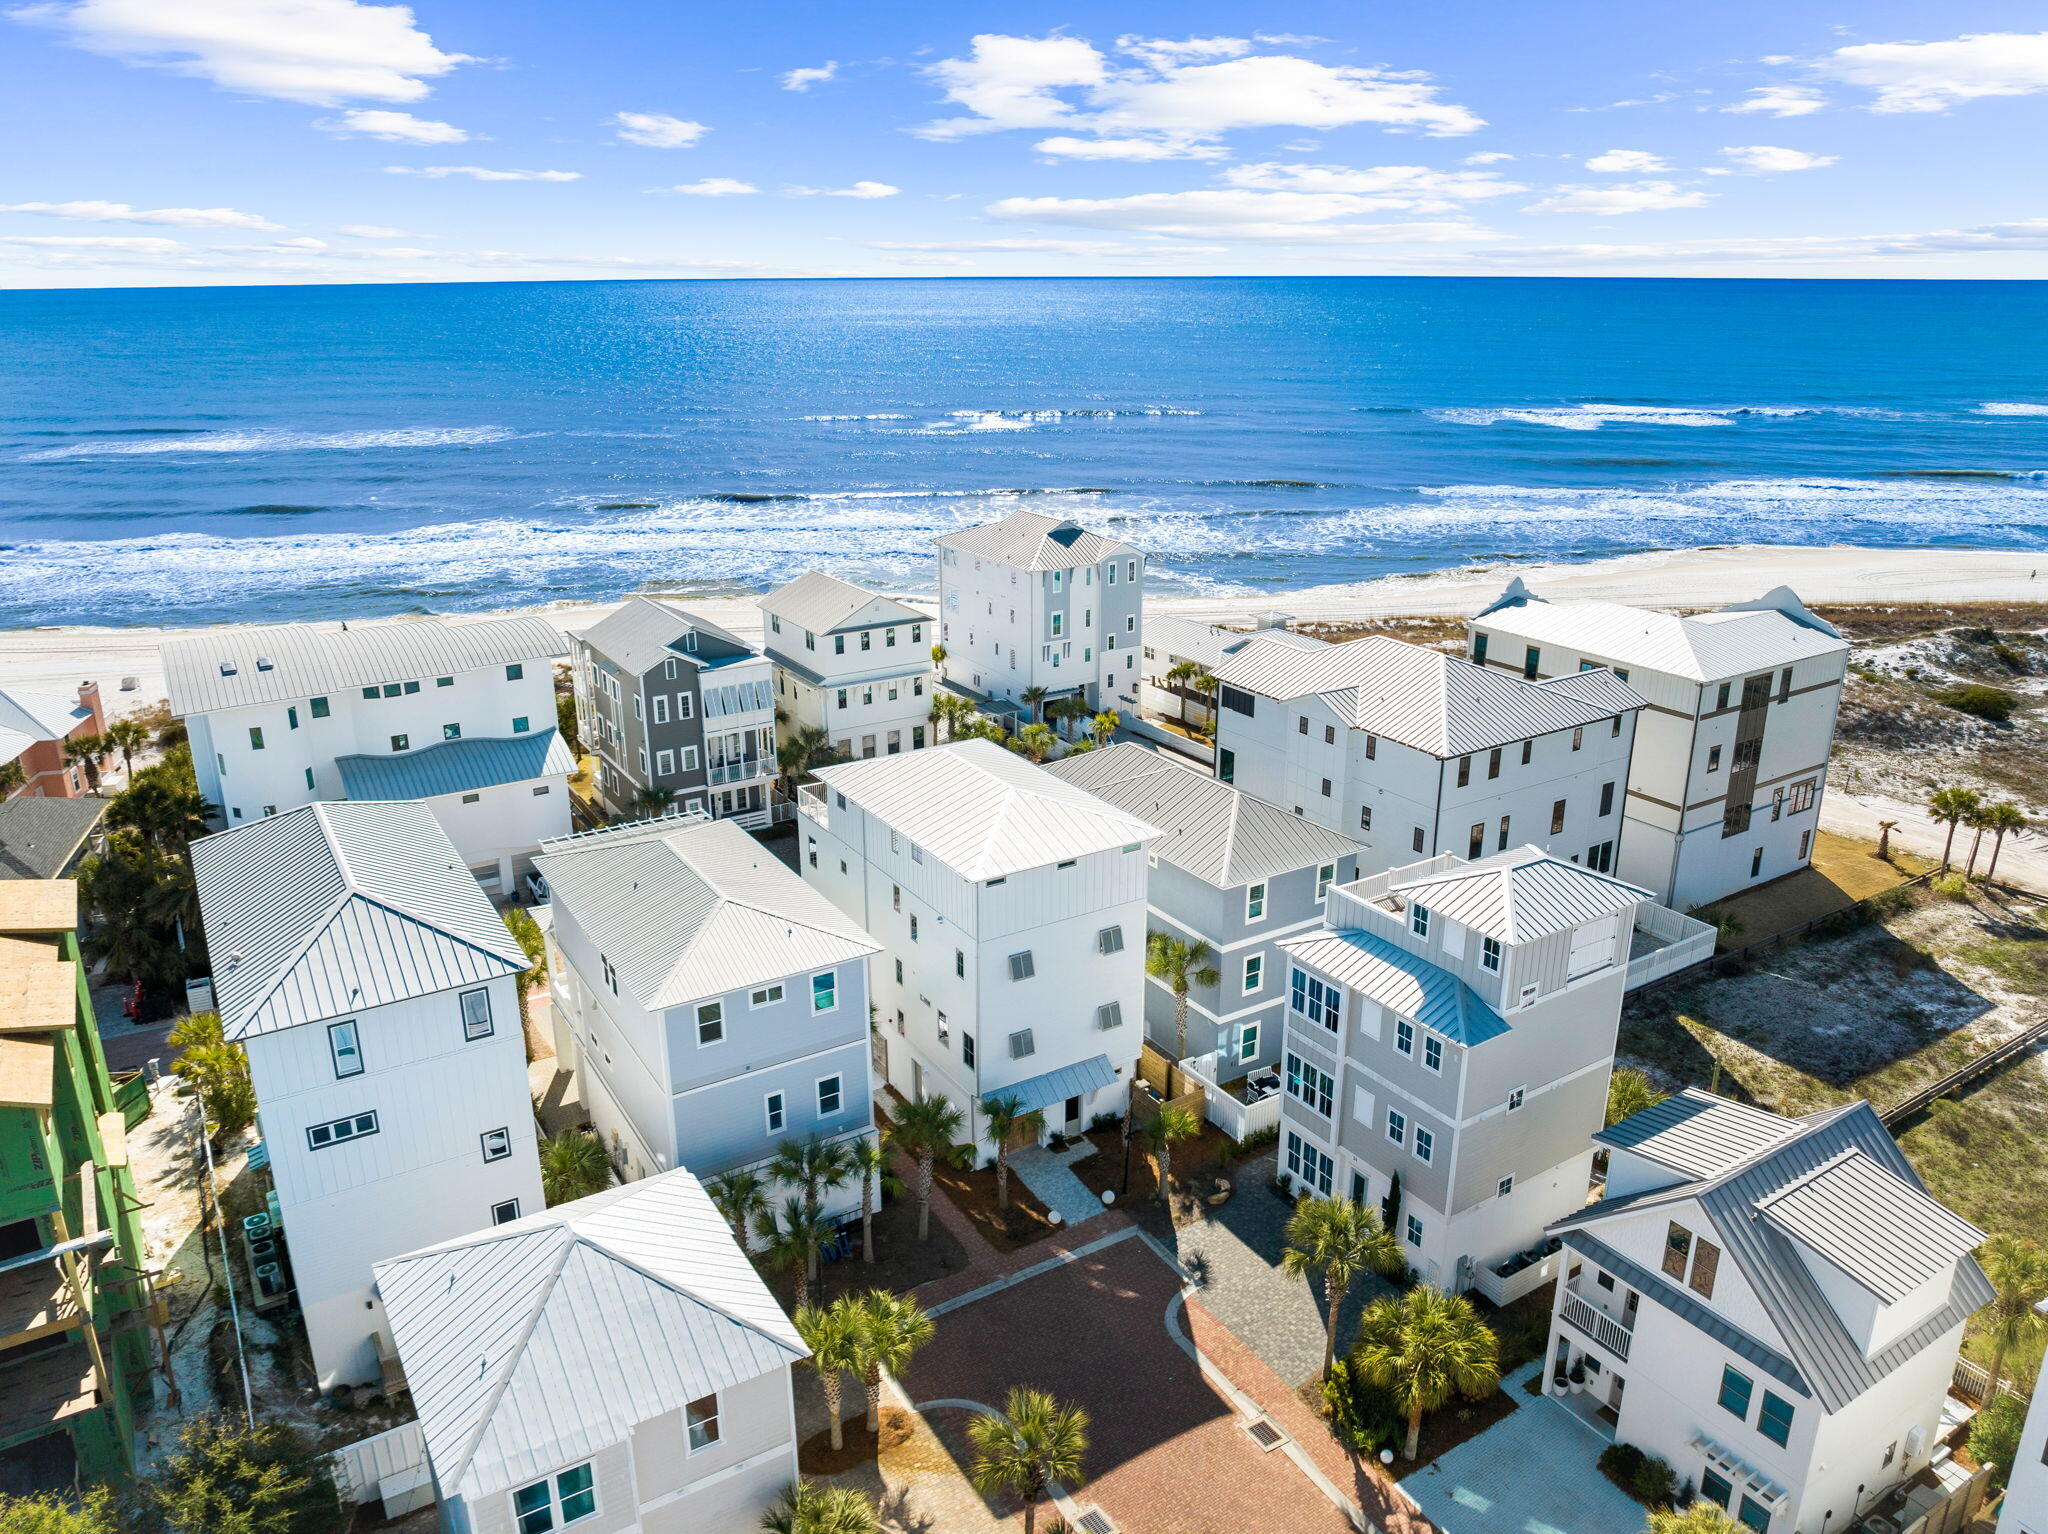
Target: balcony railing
742	770
1589	1318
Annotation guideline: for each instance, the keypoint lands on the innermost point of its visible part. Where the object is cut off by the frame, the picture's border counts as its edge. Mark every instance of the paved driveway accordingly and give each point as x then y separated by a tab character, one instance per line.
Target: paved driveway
1532	1472
1166	1452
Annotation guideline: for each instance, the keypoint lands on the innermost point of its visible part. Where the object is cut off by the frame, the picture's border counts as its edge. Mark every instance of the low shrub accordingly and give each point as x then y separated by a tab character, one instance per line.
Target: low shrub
1995	1435
1363	1417
1980	701
1951	887
1259	1140
1646	1477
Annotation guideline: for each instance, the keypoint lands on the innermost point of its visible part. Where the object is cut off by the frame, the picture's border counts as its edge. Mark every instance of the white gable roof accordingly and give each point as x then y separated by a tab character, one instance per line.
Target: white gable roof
27	717
1705	647
337	907
535	1344
1030	540
1523	894
686	908
821	603
984	811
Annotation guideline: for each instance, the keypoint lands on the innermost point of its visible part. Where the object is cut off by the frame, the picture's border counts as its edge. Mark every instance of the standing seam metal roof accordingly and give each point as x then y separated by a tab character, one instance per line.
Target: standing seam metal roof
649	629
1705	647
1523	894
1400	981
1697	1134
1029	540
456	766
27	717
820	603
1888	1236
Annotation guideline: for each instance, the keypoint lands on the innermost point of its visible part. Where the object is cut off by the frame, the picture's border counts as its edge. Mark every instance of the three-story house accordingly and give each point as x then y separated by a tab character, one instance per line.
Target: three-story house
852	663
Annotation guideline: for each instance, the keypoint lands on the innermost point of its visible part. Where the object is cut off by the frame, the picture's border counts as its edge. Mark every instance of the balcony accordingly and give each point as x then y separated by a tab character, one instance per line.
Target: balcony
1664	943
810	803
1584	1316
1238	1106
741	770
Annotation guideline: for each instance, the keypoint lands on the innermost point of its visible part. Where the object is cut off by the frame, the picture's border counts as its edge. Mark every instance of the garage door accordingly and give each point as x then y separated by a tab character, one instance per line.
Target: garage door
1593	946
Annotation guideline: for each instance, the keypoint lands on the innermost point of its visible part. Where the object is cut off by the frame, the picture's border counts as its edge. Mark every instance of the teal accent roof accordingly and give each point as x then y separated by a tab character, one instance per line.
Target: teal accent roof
456	766
1037	1093
1400	981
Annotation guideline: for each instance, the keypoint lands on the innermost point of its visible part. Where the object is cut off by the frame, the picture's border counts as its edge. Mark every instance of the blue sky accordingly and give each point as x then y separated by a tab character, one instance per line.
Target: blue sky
292	141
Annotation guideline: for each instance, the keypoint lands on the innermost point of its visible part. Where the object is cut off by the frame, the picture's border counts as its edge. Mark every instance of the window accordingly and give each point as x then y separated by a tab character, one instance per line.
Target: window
1372	747
1313	999
401	743
1489	954
1528	746
825	991
1110	940
686	706
710	1022
1479	649
505	1213
1109	1015
519	725
1414	1231
689	759
1326	788
343	1044
1578	737
1464	771
1753	1514
1255	903
1721	697
1677	1249
1404	1036
701	1417
1425	1145
1432	1052
830	1097
1021	1046
772	1103
1475	845
255	737
1365	817
913	928
1802	796
354	1127
661	706
1756	862
497	1144
514	672
476	1014
1309	1165
768	995
1397	1126
545	1504
664	763
1248	1042
1022	965
966	1044
1310	1086
1254	973
1607	798
1530	657
1418	920
1325	877
1774	1417
1505	1186
1735	1390
291	716
1418	838
1715	1487
451	732
1301	724
319	707
1516	1098
1237	701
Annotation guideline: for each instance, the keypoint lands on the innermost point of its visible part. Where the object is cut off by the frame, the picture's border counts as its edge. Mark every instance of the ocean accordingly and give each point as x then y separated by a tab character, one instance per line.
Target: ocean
207	454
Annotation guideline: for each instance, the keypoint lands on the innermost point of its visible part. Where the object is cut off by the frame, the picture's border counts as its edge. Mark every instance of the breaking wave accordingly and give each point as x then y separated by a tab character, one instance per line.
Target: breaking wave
266	441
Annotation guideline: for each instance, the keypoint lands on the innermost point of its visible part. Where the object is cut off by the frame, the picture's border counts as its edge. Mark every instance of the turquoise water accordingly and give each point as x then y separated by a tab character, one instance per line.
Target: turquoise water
206	454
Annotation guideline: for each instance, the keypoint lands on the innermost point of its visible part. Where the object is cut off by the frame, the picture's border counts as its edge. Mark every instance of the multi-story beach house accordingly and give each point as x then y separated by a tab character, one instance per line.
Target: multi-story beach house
75	1294
612	1364
1010	906
1732	747
1449	1038
1036	604
852	663
458	715
711	1003
376	993
1772	1305
678	711
1416	753
2025	1508
1227	870
34	729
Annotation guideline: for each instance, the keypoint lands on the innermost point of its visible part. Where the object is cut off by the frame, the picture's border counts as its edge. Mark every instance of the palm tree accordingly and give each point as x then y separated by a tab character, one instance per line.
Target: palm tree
1034	698
1164	1130
926	1128
938	655
832	1334
1630	1092
816	1165
653	800
1103	726
526	932
801	752
1070	710
573	1165
87	751
1008	1120
2002	819
1341	1240
1035	742
1422	1348
804	1507
1034	1443
1699	1517
2018	1270
793	1241
127	736
1183	965
1950	807
888	1329
869	1160
947	711
1884	839
1978	820
1180	676
740	1196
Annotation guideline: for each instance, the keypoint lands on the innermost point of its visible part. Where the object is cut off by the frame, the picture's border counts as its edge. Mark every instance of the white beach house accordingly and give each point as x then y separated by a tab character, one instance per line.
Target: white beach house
1732	746
852	663
376	993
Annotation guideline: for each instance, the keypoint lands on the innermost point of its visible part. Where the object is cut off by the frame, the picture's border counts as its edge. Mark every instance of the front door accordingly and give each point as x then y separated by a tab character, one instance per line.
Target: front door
916	1078
1073	1110
1358	1188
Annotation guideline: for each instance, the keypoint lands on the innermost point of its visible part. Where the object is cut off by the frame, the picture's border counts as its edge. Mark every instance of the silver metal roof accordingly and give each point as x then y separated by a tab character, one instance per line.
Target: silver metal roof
687	908
647	630
1774	631
1038	1093
1218	833
821	603
1828	1356
231	668
1522	894
1400	981
335	908
456	766
1422	698
1189	639
27	717
1029	540
984	811
535	1344
1697	1134
1883	1232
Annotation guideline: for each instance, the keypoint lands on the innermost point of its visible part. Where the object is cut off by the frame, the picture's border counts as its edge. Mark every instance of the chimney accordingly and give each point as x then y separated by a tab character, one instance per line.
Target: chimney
89	700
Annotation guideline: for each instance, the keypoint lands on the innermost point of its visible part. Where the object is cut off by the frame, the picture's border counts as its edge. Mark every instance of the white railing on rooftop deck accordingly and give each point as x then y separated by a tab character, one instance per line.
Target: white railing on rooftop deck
391	1465
1236	1119
1682	942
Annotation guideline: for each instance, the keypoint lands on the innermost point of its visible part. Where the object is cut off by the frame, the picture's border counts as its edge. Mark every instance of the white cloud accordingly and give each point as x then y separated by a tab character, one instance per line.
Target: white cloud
1777	58
656	130
1623	197
1932	77
713	186
122	213
865	190
302	243
1236	214
804	79
1018	246
1781	101
1626	162
1767	160
394	127
934	259
378	232
323	52
1487	157
1416	188
1176	95
1128	149
481	173
145	245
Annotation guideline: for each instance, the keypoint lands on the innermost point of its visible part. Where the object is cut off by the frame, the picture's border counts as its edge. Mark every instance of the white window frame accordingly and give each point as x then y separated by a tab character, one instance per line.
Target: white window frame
715	1420
505	1211
775	1110
664	764
1424	1141
1247	1042
344	1039
1432	1052
838	1085
1254	974
1026	969
496	1144
765	996
470	1030
1254	903
716	1022
1397	1126
551	1510
1326	875
689	759
830	992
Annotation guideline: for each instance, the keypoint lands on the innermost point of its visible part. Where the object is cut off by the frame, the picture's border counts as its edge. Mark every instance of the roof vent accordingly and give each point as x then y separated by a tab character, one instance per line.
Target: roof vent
263	663
227	668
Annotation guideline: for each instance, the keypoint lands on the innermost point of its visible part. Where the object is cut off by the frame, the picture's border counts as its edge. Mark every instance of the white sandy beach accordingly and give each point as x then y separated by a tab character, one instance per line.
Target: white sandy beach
57	659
